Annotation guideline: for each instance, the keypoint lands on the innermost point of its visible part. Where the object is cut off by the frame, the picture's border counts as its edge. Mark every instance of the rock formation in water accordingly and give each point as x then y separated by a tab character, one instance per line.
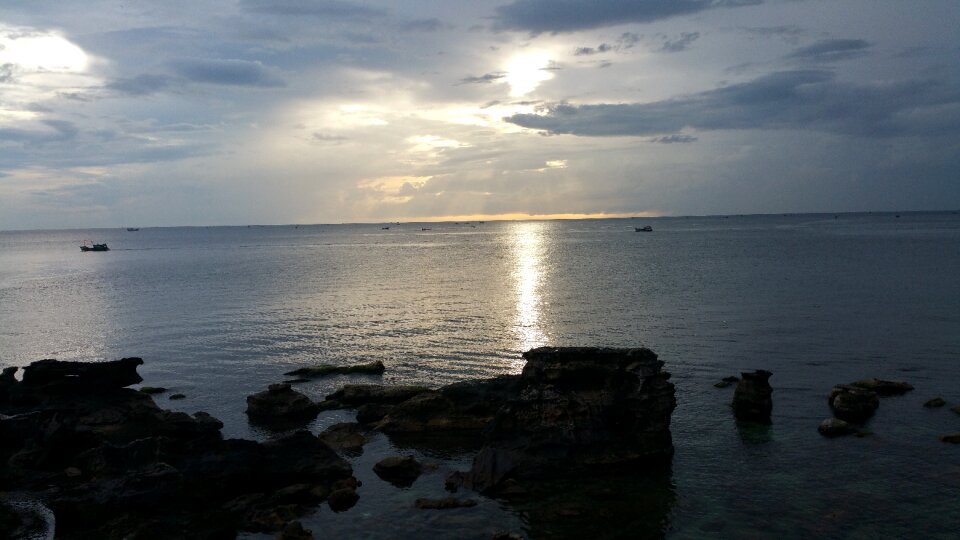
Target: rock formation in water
883	387
753	397
281	406
323	370
111	464
852	403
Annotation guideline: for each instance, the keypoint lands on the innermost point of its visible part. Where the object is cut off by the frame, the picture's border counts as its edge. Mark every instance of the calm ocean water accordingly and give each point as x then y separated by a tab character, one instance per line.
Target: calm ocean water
219	313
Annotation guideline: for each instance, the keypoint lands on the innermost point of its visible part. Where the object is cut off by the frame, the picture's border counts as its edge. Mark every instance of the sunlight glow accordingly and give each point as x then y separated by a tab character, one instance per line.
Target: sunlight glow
42	53
525	72
528	272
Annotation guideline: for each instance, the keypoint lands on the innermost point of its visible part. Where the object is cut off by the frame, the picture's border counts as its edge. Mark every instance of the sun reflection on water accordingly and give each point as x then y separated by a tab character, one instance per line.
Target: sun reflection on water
528	244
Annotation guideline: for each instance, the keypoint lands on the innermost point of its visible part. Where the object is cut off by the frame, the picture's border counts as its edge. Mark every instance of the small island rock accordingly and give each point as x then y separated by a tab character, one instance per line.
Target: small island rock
399	471
853	404
752	400
883	387
280	404
834	427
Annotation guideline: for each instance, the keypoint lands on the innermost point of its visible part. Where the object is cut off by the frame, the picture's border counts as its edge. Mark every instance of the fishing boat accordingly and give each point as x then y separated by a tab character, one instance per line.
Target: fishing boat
643	229
133	229
94	247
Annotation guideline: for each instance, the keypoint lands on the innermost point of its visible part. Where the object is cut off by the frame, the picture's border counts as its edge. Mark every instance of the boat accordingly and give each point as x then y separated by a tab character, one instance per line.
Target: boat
384	228
133	229
94	247
424	229
643	229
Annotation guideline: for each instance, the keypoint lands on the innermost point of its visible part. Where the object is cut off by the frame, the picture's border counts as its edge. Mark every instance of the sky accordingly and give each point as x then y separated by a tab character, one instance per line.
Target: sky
231	112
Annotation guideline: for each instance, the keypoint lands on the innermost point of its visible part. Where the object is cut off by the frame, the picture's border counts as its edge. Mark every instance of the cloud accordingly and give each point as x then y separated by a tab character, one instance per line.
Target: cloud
6	73
672	139
62	130
484	79
831	50
312	8
587	51
226	72
141	85
810	100
423	25
539	16
681	43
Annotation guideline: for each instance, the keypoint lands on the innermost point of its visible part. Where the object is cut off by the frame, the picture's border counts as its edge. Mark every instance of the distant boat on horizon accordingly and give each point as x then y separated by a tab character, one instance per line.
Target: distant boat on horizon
133	229
643	229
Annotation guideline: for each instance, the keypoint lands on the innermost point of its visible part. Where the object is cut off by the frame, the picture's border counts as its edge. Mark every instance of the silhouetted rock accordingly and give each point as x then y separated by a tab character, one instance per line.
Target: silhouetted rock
935	403
953	438
883	387
280	405
444	504
372	368
174	397
576	409
294	531
399	471
834	427
956	409
853	404
152	389
752	400
342	499
362	394
113	374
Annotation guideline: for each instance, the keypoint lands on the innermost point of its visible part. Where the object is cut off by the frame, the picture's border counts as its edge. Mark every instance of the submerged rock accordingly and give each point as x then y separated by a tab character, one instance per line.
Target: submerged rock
834	427
399	471
935	403
883	387
281	404
444	504
752	400
576	409
352	395
853	404
372	368
344	436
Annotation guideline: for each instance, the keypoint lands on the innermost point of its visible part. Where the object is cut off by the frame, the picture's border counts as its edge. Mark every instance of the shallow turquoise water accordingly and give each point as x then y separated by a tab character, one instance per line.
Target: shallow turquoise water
219	313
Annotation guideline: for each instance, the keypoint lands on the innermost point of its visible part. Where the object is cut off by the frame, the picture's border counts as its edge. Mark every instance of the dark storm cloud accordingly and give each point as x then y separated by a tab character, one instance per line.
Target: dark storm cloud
587	51
141	85
792	100
680	43
311	8
673	139
539	16
484	79
831	50
226	72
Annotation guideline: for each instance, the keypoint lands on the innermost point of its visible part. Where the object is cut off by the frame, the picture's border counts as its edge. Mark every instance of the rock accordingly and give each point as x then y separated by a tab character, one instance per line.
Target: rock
294	531
399	471
462	407
730	379
956	409
371	413
280	405
360	394
342	499
507	535
344	436
174	397
834	427
752	400
373	368
853	404
444	504
722	384
86	375
935	403
953	438
577	409
152	389
882	387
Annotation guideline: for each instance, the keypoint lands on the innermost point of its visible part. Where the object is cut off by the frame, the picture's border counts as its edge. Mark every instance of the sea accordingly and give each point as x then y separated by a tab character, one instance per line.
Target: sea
219	313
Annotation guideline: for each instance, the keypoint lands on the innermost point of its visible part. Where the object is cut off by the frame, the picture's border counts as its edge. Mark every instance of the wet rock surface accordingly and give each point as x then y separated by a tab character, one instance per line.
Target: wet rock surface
883	387
346	436
853	403
401	471
444	504
753	397
834	427
281	406
323	370
111	464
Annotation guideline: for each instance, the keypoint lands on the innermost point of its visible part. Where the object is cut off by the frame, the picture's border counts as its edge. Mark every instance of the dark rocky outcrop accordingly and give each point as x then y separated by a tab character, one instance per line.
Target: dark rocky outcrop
752	400
834	427
111	464
372	368
294	531
956	409
953	438
354	395
883	387
343	499
399	471
281	406
152	389
852	403
575	410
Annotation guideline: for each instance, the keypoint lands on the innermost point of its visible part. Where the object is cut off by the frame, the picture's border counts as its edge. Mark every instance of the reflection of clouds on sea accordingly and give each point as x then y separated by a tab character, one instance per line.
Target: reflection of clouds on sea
528	275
